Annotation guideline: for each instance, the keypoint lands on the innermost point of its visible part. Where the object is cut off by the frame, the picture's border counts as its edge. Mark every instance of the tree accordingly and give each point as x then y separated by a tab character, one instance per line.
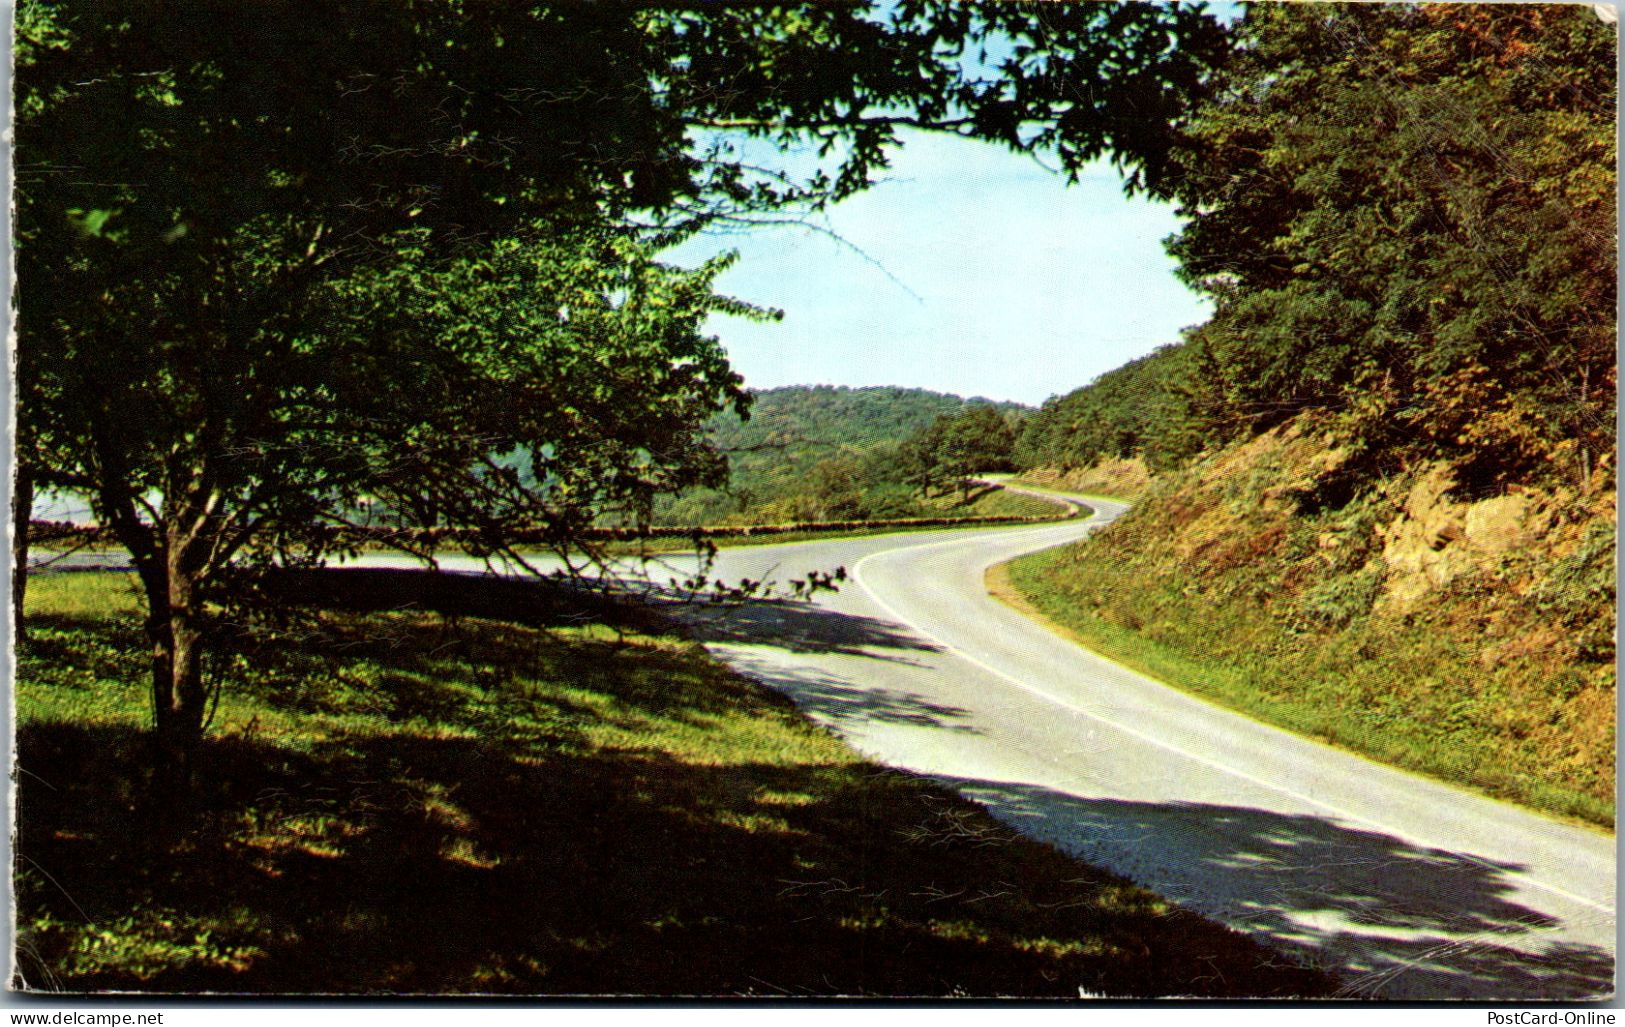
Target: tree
956	447
284	260
1405	213
1125	412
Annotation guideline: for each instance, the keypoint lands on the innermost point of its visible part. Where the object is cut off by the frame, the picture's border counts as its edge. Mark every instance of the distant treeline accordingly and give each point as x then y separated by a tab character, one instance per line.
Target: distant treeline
830	453
1405	217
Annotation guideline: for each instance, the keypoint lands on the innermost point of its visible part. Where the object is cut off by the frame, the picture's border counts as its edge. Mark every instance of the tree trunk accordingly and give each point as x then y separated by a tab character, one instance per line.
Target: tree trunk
171	578
22	509
179	697
170	557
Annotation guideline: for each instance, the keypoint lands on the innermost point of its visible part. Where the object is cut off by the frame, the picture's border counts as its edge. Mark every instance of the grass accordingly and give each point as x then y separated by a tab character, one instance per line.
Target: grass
991	502
1125	480
1415	692
492	798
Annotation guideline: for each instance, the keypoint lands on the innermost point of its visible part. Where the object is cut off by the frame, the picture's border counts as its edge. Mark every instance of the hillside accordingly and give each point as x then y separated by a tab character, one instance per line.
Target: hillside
804	448
1383	510
1471	637
1129	412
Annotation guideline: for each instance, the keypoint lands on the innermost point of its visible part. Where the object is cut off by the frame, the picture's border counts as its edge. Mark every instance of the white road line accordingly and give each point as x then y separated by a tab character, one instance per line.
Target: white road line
857	577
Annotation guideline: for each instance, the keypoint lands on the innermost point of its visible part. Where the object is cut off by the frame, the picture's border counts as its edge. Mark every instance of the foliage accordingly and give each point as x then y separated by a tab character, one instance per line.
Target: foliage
1404	214
257	245
810	453
1385	200
1576	586
954	448
1123	413
406	801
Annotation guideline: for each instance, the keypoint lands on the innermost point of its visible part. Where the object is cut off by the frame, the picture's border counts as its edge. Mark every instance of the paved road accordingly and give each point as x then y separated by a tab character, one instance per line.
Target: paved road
1404	887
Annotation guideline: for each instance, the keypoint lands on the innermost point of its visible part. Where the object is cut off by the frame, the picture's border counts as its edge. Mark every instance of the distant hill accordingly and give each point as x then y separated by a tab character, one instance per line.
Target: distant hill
792	430
1133	411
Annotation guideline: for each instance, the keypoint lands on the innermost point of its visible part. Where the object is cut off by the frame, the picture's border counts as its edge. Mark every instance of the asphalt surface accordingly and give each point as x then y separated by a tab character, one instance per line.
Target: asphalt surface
1403	887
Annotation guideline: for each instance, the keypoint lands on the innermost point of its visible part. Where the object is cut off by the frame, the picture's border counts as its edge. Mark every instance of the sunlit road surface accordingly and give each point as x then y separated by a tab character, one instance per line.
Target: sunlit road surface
1401	886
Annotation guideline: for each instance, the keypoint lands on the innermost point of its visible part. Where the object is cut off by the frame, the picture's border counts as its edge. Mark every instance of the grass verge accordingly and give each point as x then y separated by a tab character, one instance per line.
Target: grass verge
662	547
1395	701
468	800
987	502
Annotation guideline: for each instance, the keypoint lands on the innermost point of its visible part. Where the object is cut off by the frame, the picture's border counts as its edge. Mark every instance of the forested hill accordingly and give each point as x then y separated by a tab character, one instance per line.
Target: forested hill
1135	411
823	419
1384	502
802	440
1405	217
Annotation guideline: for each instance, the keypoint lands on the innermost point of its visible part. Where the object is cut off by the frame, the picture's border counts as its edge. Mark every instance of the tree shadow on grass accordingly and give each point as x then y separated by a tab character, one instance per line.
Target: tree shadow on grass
412	657
428	865
1392	919
535	602
793	625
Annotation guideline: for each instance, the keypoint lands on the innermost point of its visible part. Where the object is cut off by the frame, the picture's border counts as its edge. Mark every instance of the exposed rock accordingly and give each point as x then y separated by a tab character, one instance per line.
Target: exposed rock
1416	546
1436	540
1504	523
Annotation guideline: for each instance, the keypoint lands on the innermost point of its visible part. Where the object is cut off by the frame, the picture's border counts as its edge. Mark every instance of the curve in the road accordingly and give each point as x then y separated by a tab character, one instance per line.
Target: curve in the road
1196	757
1407	887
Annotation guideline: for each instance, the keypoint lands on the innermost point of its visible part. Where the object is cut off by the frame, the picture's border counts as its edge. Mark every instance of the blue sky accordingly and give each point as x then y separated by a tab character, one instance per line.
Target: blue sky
968	269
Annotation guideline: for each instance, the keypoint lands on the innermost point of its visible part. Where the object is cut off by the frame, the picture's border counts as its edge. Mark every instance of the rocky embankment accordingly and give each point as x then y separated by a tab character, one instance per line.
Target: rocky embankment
1469	633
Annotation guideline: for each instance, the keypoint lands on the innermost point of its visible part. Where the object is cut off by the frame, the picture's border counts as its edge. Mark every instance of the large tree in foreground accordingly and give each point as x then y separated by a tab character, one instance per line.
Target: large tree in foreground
284	260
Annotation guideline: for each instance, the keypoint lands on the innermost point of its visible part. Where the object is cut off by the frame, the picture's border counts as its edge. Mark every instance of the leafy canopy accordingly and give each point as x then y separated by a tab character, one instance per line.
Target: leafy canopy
286	260
195	178
1404	215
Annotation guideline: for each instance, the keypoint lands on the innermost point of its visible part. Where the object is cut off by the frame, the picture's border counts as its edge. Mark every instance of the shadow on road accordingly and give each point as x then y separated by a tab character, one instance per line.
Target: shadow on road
802	628
791	627
1391	919
838	701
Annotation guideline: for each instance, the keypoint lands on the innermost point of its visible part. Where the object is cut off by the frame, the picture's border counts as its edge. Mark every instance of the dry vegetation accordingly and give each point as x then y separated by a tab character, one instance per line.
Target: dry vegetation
1467	637
1114	478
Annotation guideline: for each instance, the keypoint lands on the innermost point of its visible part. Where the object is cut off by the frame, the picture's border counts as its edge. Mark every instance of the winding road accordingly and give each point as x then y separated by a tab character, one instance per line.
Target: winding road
1401	886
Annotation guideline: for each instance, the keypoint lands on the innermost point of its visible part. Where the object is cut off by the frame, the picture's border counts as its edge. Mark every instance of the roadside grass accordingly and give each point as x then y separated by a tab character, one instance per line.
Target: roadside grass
471	800
1409	693
994	502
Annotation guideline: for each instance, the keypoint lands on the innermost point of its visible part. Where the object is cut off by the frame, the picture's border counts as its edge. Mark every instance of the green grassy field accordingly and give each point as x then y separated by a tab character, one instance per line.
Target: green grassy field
475	800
